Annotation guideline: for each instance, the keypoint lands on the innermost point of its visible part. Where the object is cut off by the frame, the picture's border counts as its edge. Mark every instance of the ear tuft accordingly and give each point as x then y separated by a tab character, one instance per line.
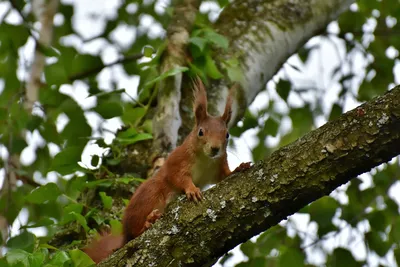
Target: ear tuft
228	107
200	101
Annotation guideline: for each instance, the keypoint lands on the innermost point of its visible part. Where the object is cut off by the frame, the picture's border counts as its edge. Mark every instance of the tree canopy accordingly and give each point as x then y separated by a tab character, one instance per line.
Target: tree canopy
92	100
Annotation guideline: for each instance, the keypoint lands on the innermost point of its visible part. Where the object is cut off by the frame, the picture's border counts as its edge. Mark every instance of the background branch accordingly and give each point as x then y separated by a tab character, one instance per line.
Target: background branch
167	119
97	69
44	11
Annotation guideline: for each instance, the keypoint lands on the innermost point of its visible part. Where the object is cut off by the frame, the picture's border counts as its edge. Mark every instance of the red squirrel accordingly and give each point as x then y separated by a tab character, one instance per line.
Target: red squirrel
199	161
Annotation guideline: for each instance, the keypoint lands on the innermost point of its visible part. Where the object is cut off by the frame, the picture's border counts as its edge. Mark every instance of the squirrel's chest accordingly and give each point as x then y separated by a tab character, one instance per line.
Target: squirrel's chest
205	171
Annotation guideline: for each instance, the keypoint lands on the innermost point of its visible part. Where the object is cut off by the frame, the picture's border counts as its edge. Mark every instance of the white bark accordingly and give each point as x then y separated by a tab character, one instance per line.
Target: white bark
44	10
265	34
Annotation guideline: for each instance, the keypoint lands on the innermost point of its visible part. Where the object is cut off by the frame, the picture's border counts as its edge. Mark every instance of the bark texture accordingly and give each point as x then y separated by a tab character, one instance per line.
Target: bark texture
263	34
245	204
167	119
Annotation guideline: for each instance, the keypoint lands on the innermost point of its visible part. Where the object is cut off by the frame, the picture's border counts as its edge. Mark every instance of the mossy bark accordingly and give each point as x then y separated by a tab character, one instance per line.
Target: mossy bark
263	35
245	204
167	118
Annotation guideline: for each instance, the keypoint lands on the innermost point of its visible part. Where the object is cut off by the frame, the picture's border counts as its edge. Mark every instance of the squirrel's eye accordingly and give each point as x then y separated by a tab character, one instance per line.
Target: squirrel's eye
227	135
201	133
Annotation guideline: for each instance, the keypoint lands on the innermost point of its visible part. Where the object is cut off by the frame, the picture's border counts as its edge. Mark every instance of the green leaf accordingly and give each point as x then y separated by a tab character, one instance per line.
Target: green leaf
18	144
377	220
133	115
39	223
199	42
47	192
66	161
24	241
116	227
217	39
95	160
377	244
211	68
322	212
18	257
147	126
171	72
83	63
128	133
80	258
38	257
113	162
302	119
69	211
109	109
148	51
351	21
221	4
397	255
107	200
59	259
342	257
56	74
395	231
77	130
249	249
283	88
127	180
271	127
48	51
135	139
292	257
336	111
49	132
81	220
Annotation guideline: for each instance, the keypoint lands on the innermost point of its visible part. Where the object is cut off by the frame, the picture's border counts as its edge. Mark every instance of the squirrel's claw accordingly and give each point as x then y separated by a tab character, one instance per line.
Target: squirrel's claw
194	195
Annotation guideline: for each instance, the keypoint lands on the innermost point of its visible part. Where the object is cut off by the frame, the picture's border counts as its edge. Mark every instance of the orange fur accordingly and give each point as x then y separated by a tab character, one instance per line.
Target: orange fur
199	161
102	247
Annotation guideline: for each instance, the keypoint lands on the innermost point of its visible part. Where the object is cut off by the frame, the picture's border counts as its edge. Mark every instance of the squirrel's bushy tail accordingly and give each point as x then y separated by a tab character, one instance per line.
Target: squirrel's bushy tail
104	246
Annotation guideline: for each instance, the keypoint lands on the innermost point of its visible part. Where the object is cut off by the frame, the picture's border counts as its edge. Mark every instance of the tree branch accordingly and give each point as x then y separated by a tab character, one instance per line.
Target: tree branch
97	69
167	120
44	11
246	204
263	36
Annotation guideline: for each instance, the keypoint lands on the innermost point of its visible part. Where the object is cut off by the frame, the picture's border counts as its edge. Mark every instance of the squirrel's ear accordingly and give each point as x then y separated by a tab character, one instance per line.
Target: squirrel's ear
200	101
228	107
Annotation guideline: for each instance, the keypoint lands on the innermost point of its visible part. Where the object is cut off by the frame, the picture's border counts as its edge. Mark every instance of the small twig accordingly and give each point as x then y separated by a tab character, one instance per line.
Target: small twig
25	21
97	69
135	100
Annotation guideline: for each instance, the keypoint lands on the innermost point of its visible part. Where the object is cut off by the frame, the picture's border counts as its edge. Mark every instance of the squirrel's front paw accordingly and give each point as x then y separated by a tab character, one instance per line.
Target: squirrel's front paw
243	166
152	218
194	194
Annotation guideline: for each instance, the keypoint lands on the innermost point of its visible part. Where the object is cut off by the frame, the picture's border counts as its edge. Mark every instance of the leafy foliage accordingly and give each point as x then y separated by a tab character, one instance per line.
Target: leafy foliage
54	186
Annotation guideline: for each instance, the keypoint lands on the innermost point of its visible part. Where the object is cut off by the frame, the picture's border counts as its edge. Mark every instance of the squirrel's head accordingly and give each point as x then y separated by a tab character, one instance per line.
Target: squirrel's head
212	132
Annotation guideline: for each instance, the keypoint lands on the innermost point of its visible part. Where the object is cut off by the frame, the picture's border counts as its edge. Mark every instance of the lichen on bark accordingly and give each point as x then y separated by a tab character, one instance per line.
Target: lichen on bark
245	204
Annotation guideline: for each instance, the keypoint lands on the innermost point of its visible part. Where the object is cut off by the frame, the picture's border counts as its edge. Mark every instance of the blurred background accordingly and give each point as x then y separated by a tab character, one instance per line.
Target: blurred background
103	55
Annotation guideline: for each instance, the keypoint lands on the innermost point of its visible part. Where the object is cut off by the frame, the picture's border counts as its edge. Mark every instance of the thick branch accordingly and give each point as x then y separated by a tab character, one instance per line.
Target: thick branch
264	34
167	120
246	204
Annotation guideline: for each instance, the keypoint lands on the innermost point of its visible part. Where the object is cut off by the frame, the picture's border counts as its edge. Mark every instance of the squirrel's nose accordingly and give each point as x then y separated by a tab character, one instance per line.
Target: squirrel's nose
214	150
